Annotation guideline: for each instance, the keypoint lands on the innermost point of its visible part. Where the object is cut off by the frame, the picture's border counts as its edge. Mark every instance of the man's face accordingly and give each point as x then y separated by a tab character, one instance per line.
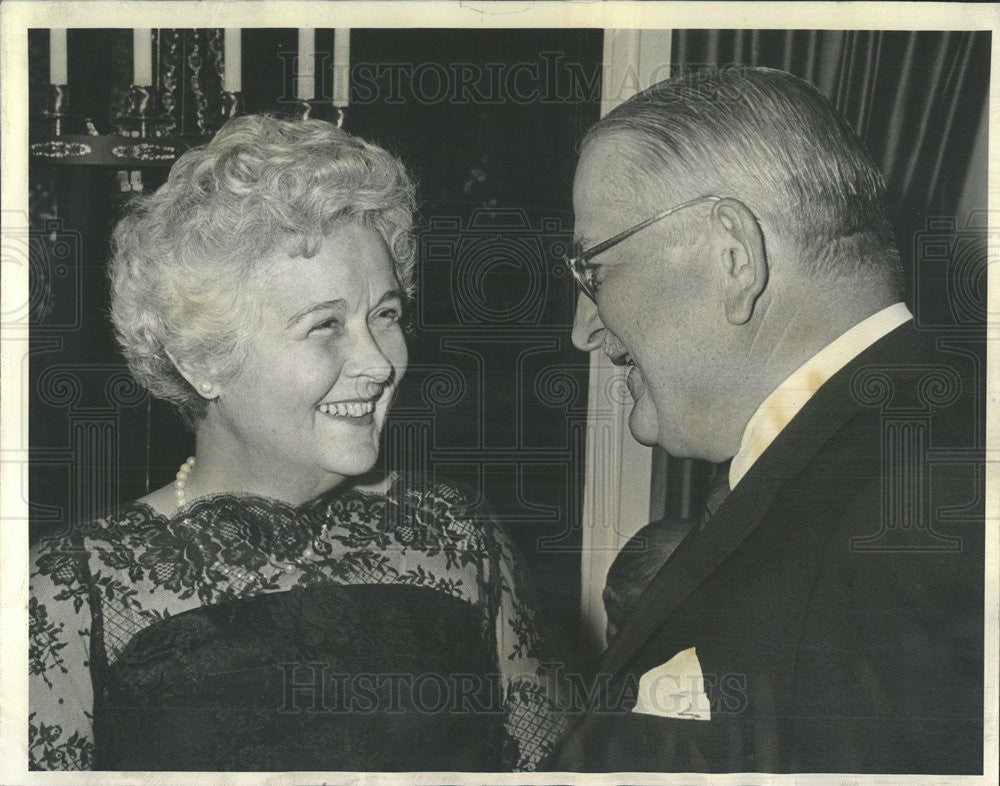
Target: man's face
657	307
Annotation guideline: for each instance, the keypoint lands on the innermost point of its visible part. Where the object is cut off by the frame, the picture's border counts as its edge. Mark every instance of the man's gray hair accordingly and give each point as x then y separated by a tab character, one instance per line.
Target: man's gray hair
771	140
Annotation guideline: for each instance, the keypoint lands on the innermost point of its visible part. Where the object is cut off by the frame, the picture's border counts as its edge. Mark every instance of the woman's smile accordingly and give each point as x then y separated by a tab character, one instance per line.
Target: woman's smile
348	409
355	413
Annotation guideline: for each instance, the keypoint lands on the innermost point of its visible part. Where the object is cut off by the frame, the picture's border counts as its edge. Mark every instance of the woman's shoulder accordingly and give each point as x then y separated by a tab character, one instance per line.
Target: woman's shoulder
413	501
437	496
401	488
67	552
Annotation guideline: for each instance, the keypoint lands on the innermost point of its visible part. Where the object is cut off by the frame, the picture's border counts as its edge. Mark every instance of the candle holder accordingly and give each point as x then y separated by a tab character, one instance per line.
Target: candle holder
56	133
139	120
57	119
230	106
302	108
319	109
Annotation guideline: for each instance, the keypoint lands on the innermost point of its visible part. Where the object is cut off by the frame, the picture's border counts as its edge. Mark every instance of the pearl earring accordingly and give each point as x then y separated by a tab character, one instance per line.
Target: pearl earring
205	387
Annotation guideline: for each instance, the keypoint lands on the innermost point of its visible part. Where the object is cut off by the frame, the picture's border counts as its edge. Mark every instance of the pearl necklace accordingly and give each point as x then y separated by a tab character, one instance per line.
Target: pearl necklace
181	482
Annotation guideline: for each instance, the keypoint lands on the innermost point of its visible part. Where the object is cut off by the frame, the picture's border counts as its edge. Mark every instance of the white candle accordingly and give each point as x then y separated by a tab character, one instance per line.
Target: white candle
306	86
232	76
341	66
142	57
57	56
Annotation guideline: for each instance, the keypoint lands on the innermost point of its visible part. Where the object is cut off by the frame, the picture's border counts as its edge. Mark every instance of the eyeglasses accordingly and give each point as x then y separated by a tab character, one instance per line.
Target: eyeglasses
578	263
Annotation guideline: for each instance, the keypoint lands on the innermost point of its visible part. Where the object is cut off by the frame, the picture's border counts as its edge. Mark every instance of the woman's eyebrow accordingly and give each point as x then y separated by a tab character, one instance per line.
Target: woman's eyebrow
326	305
389	294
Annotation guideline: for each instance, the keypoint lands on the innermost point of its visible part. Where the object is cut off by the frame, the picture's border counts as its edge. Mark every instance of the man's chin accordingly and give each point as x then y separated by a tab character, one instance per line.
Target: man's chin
642	432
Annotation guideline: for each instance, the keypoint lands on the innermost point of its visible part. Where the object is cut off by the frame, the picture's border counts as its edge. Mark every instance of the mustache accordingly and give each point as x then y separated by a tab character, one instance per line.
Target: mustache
613	347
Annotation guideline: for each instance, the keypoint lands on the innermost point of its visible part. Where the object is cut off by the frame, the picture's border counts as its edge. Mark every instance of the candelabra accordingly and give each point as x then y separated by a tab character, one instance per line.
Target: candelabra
319	109
230	106
185	85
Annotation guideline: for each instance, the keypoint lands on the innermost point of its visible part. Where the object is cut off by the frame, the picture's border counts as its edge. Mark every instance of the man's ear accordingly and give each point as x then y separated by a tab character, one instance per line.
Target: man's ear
744	258
202	380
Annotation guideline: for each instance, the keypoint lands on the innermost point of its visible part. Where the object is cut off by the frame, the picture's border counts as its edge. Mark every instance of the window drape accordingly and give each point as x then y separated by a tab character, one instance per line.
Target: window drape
915	98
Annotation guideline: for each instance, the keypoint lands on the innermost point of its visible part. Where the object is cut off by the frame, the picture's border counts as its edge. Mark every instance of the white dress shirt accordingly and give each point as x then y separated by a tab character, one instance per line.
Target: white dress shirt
778	409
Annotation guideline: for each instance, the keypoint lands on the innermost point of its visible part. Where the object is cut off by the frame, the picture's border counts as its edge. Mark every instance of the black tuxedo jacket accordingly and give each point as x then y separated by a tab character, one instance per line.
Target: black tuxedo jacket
835	600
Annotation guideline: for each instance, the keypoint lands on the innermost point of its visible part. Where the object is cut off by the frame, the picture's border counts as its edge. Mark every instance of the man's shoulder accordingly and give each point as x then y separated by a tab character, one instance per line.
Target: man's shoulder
938	368
906	450
909	378
881	449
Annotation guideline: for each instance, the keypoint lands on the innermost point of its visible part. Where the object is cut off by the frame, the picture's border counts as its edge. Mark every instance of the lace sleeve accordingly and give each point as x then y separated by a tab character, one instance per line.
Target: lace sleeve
533	722
60	695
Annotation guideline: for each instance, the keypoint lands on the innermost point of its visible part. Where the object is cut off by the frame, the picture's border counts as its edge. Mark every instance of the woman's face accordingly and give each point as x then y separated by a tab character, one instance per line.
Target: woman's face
308	405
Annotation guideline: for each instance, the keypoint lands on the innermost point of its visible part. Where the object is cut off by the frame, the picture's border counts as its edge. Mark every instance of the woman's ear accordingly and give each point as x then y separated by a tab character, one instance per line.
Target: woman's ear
744	258
202	380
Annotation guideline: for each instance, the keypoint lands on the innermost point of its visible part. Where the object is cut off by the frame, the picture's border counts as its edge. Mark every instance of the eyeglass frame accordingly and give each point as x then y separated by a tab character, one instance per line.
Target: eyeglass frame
576	263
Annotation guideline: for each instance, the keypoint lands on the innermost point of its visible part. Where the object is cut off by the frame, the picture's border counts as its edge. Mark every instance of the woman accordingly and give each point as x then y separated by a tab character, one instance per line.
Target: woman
268	611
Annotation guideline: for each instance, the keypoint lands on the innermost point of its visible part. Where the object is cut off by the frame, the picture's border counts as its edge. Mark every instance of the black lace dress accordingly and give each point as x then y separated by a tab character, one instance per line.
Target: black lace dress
378	629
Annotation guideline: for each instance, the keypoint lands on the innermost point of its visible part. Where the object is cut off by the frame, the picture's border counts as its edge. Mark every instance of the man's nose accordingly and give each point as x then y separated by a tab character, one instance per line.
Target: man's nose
588	330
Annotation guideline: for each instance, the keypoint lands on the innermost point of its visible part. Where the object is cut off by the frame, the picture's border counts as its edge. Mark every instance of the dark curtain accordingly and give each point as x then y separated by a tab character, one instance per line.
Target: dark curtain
918	101
915	98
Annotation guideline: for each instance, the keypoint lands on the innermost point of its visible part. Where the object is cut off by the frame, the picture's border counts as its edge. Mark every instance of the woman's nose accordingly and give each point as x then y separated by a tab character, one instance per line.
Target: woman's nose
588	330
368	363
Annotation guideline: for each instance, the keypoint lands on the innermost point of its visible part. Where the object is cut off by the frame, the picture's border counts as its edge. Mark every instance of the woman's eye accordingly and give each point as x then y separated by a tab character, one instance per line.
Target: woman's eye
389	315
326	325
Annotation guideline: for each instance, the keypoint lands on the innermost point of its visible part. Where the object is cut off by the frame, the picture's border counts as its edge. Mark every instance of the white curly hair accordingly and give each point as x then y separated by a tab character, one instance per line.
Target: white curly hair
187	260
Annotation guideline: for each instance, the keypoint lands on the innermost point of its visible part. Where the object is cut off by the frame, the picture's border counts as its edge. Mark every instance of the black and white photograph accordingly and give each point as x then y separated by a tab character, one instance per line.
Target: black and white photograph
452	392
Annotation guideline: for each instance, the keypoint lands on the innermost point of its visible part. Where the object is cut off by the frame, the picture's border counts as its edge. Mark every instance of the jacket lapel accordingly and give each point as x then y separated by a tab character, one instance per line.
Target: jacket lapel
697	557
705	548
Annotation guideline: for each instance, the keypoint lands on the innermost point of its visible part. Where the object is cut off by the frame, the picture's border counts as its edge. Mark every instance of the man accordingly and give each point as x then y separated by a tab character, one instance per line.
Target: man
828	616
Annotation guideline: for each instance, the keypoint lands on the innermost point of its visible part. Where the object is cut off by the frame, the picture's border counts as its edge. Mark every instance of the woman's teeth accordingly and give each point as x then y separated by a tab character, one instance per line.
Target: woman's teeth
353	409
